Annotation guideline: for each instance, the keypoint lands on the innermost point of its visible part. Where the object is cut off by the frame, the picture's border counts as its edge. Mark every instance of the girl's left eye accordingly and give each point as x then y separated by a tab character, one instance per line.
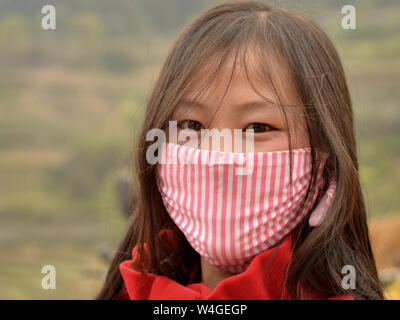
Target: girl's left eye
259	127
190	124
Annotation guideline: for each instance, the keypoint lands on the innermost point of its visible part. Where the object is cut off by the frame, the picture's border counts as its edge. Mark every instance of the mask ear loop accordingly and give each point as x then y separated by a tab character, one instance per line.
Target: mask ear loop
322	208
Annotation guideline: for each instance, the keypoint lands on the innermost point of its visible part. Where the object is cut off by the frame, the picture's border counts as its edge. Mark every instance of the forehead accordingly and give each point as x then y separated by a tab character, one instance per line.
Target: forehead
249	76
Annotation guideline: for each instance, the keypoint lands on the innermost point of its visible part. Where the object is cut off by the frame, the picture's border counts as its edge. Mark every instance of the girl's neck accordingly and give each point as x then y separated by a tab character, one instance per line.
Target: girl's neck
212	275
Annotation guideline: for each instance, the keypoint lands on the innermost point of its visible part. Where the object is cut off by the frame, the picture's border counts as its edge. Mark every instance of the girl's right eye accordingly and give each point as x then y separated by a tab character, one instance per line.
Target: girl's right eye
190	124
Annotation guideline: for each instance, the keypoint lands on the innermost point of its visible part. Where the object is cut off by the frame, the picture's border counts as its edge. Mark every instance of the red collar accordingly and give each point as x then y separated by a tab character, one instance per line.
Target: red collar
262	280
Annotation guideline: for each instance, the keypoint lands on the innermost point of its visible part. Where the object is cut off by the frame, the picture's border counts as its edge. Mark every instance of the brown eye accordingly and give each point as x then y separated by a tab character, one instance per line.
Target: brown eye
190	124
259	127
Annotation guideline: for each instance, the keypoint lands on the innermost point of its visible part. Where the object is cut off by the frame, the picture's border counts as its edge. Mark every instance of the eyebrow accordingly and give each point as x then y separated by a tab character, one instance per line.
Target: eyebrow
244	105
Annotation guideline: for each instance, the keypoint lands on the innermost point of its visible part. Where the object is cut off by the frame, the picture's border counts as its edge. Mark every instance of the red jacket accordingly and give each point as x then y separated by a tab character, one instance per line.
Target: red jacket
262	280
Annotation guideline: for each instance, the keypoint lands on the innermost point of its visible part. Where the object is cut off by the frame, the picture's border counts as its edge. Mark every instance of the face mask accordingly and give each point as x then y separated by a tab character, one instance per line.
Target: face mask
232	206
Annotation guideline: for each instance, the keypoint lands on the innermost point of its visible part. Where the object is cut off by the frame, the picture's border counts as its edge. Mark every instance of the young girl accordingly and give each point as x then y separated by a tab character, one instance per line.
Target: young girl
292	227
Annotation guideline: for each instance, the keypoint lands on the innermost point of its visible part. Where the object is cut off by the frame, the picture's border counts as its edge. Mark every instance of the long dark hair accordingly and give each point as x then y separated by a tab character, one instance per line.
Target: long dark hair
319	253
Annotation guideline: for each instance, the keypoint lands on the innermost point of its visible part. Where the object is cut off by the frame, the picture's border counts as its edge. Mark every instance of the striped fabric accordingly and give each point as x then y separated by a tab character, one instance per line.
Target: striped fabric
321	210
232	206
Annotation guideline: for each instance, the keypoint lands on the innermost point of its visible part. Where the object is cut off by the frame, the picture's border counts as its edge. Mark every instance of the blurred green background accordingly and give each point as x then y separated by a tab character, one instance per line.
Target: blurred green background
71	102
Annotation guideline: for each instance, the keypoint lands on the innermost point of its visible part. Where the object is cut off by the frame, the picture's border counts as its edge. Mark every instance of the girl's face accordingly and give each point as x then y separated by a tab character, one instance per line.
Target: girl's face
242	108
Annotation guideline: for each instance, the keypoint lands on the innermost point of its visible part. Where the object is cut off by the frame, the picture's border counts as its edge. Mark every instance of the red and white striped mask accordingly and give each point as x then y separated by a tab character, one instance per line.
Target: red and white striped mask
232	206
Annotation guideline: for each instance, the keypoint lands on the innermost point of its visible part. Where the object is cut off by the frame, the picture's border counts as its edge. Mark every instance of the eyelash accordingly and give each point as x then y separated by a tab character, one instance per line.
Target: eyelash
187	121
267	126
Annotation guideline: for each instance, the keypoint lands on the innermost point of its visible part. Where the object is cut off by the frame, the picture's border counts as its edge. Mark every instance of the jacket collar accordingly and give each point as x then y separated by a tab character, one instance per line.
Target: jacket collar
264	279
